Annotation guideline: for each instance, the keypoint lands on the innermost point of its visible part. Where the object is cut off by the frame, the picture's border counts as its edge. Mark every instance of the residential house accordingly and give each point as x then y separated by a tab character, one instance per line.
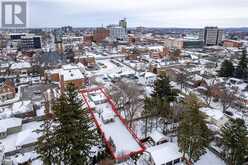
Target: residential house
67	74
4	68
23	109
10	126
18	68
147	78
163	154
7	90
88	61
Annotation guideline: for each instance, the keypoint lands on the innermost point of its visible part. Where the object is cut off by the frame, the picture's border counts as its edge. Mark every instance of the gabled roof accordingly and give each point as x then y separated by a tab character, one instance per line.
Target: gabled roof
164	153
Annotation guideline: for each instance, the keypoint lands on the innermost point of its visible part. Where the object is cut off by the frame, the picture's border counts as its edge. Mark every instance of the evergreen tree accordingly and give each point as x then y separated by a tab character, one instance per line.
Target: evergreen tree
46	146
162	96
69	136
164	111
234	138
242	68
163	89
193	133
148	111
227	69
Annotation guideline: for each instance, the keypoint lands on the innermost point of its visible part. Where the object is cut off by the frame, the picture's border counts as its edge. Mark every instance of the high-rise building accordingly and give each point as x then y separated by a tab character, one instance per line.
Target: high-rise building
59	45
117	33
220	36
123	23
31	42
211	36
25	41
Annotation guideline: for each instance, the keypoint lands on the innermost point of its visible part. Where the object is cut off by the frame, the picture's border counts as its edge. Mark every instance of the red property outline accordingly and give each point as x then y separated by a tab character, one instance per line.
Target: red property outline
109	99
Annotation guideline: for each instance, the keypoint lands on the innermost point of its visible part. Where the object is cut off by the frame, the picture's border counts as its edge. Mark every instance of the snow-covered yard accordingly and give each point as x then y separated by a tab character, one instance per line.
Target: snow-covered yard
112	125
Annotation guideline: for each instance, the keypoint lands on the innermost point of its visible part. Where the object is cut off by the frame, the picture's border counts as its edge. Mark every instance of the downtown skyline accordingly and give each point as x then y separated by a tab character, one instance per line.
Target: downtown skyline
157	13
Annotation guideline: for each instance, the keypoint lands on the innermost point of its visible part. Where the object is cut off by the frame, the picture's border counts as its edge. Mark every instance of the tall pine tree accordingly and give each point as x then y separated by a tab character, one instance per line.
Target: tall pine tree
242	68
235	141
69	136
163	89
227	69
193	133
162	96
148	112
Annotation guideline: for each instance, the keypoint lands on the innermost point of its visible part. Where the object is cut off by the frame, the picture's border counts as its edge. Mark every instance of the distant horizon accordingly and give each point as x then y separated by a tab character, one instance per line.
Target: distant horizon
241	27
145	13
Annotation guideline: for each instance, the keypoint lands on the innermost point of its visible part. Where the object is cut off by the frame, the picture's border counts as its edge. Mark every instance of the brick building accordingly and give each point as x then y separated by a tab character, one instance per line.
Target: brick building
70	73
232	43
88	39
100	34
7	90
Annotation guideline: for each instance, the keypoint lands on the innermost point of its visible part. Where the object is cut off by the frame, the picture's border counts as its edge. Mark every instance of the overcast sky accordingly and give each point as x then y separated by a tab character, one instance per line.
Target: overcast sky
148	13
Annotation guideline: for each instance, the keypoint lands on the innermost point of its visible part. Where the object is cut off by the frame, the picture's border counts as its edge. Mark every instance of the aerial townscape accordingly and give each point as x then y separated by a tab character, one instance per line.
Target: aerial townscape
120	95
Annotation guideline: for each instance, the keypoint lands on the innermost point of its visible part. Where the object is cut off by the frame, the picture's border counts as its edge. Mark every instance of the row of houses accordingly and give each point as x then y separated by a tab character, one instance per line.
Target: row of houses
154	52
15	68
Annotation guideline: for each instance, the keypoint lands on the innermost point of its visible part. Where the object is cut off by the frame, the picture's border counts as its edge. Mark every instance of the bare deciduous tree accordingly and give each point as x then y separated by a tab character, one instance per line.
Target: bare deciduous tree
227	98
181	79
209	92
127	97
117	96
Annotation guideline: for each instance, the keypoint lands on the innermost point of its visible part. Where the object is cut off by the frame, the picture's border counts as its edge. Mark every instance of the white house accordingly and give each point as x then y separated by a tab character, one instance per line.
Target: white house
107	117
147	78
158	138
163	154
97	98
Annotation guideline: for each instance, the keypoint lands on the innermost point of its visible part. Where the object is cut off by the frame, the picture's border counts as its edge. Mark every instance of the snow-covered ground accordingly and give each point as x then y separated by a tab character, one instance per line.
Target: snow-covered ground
122	138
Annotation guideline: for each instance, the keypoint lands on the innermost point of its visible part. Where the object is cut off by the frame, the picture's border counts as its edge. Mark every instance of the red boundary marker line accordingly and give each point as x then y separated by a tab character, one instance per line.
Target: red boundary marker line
120	117
99	127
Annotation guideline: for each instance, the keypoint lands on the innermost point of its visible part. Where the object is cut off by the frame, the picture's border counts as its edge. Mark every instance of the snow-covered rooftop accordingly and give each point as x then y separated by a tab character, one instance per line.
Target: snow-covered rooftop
97	97
69	67
72	74
150	75
213	113
157	136
209	158
164	153
9	123
22	107
26	136
20	65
